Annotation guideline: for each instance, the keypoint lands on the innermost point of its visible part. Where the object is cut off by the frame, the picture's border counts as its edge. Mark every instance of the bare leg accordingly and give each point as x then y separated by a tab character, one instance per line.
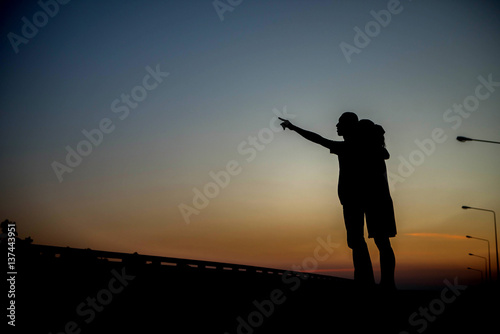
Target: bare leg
363	270
387	263
354	218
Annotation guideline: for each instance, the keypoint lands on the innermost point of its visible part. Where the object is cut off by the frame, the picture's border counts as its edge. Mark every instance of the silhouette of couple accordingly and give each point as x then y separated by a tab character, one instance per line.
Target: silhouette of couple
363	192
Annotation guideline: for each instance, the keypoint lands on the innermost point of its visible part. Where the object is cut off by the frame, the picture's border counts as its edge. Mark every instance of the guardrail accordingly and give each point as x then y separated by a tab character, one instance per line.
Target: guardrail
135	259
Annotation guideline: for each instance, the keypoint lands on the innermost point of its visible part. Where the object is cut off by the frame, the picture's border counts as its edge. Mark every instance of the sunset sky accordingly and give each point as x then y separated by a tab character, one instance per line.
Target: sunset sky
174	92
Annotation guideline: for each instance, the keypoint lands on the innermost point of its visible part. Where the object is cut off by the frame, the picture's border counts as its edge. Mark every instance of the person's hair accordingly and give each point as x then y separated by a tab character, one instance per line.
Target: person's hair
349	117
370	133
378	135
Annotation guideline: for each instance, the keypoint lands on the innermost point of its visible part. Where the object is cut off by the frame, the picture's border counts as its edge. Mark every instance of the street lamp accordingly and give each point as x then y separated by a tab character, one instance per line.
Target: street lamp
495	222
485	262
477	270
489	253
464	139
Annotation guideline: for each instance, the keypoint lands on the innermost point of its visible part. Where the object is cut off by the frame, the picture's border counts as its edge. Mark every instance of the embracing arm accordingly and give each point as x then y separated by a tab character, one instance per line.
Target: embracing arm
311	136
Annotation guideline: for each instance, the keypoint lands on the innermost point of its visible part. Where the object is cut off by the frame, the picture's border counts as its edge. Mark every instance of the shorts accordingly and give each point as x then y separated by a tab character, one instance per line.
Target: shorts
380	221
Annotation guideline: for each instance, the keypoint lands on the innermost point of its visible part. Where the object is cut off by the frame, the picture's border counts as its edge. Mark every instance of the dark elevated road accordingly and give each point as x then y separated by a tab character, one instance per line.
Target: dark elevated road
66	290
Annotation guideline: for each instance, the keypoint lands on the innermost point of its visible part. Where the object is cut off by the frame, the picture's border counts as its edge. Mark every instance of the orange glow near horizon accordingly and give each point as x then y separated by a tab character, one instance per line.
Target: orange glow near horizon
436	235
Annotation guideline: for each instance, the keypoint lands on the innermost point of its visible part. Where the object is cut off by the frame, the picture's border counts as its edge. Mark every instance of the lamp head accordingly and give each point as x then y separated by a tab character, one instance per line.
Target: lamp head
463	139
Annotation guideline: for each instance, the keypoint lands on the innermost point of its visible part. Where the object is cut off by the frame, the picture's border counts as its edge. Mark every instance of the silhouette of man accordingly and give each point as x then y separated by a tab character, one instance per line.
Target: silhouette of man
363	190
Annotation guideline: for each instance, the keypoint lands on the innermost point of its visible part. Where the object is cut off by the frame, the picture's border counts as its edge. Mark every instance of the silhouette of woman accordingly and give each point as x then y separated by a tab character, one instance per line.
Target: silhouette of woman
363	191
376	198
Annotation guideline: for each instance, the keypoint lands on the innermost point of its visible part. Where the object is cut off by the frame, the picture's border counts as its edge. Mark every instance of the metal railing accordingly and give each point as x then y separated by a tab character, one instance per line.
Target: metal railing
135	259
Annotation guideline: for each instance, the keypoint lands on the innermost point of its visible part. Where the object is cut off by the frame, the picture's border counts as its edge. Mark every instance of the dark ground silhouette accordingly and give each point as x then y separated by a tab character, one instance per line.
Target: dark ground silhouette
66	290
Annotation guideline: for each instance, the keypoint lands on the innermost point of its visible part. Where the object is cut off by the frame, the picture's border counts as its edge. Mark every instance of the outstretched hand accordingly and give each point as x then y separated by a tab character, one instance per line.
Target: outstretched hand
286	123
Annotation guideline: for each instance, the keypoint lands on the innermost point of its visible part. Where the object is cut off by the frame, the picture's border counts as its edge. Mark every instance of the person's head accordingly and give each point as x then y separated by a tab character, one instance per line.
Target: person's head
347	124
378	134
370	133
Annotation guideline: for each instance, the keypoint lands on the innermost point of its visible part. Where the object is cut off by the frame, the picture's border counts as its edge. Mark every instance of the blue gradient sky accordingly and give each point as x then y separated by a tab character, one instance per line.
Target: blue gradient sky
226	77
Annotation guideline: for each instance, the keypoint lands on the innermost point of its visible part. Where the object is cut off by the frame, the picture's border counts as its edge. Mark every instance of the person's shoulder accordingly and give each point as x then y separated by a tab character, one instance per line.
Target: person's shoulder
336	147
339	143
375	152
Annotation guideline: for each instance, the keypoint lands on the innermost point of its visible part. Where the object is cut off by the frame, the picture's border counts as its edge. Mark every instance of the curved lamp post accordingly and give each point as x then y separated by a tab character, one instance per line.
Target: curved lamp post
477	270
485	263
489	253
464	139
495	222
